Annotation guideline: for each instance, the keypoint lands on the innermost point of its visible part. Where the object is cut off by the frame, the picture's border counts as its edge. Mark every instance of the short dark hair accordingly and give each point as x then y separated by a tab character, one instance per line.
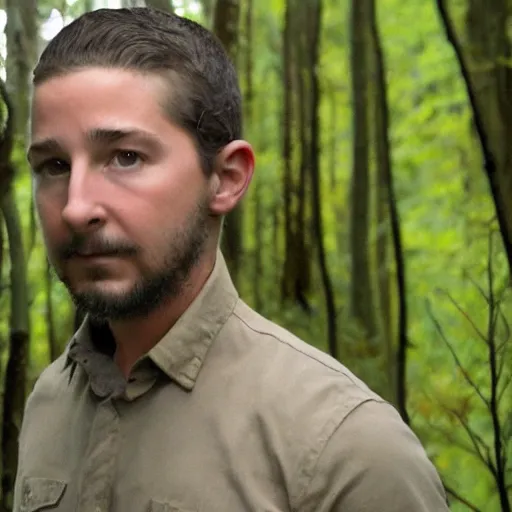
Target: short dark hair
205	98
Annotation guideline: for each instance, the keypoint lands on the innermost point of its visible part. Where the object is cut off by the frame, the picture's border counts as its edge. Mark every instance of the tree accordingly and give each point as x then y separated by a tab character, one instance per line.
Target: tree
225	26
495	337
388	212
21	31
315	17
487	75
296	154
15	375
361	288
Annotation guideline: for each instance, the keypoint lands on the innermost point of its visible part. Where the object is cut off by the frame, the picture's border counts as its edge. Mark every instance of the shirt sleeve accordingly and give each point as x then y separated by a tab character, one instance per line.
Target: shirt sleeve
374	462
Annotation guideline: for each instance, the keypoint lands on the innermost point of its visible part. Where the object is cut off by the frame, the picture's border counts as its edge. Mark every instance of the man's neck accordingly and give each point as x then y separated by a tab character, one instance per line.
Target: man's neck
138	336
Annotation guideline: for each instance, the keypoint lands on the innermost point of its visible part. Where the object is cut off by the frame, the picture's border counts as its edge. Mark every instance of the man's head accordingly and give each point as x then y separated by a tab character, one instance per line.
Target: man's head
204	97
136	156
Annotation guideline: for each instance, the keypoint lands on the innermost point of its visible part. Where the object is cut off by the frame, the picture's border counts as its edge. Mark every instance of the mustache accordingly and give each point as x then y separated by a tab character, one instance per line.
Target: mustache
80	245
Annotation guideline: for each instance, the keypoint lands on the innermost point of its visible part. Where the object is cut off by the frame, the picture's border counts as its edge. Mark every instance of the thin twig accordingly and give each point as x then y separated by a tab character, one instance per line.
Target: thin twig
480	334
452	492
476	441
464	372
504	388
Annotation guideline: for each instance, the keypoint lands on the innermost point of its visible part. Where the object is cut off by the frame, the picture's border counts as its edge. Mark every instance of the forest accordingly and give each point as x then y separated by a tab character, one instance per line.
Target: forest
378	225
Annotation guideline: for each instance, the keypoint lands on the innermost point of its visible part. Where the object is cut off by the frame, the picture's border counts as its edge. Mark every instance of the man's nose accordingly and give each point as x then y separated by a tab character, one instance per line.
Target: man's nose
83	212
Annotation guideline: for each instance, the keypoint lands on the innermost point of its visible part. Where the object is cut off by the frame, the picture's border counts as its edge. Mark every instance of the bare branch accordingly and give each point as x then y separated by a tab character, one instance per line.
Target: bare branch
459	364
480	289
479	333
477	442
504	388
454	494
448	435
502	352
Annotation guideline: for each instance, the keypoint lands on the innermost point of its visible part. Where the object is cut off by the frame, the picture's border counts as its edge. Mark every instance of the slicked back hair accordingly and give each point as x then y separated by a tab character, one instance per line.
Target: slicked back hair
203	92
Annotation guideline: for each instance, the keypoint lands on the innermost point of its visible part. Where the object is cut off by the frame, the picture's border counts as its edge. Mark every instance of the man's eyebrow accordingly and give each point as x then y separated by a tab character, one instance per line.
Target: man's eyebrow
111	135
96	135
43	146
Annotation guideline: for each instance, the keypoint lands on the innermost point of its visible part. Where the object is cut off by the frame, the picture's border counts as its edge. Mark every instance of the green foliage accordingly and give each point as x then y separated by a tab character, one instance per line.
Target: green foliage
445	208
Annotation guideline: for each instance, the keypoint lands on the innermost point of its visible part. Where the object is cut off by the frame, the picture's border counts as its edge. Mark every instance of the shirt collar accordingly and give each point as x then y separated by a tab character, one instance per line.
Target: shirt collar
180	354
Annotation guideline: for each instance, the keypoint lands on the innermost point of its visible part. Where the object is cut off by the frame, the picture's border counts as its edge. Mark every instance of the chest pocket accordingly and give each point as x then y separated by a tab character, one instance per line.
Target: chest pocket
40	494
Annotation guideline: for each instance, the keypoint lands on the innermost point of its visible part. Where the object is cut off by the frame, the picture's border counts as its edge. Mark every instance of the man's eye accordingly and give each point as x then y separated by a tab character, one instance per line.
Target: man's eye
126	159
52	167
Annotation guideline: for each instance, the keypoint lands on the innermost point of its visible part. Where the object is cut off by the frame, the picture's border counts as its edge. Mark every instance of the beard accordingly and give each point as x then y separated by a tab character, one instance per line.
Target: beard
182	252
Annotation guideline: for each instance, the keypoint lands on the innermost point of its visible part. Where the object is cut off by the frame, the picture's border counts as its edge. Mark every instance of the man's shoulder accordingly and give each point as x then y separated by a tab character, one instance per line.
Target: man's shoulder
329	416
295	355
299	381
53	379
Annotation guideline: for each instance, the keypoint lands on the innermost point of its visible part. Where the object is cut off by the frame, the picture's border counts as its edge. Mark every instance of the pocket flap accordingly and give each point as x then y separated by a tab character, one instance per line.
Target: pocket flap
39	493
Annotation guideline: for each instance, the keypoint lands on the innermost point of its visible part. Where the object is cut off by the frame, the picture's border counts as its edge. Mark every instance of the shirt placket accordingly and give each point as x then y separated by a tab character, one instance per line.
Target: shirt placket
100	461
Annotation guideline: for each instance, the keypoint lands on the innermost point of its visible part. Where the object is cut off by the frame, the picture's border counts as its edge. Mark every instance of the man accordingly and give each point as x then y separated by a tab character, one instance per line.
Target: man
174	395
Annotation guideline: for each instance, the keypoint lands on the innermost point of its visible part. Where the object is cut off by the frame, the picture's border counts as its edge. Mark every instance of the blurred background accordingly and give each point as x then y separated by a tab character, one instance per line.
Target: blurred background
378	225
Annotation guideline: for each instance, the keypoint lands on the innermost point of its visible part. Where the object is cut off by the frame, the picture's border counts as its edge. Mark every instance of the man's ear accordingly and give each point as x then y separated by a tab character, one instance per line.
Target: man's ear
233	170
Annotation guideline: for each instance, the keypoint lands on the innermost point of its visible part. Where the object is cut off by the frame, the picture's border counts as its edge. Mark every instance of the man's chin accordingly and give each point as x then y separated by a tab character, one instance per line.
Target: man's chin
101	303
110	301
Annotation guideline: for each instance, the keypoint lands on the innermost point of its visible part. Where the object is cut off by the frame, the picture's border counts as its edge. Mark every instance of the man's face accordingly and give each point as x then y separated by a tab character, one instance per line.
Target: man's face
121	196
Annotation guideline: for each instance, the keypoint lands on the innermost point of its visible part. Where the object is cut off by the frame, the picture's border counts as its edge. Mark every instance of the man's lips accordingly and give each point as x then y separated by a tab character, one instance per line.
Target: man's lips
90	255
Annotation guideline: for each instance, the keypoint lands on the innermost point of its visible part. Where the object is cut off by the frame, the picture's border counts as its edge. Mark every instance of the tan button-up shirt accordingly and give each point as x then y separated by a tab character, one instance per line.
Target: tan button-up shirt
228	413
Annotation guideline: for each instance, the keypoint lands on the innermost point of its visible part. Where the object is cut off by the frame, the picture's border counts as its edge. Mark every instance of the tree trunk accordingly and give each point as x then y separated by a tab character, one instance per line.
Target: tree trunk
21	32
386	182
381	196
15	376
315	19
225	27
249	121
288	277
303	72
487	76
489	51
361	290
21	40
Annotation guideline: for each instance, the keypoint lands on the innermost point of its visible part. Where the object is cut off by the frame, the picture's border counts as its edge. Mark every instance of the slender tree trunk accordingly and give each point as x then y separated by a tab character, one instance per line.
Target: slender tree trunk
3	289
21	38
302	253
249	121
21	32
288	277
276	225
488	85
384	157
382	210
339	209
361	290
315	18
225	26
15	375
